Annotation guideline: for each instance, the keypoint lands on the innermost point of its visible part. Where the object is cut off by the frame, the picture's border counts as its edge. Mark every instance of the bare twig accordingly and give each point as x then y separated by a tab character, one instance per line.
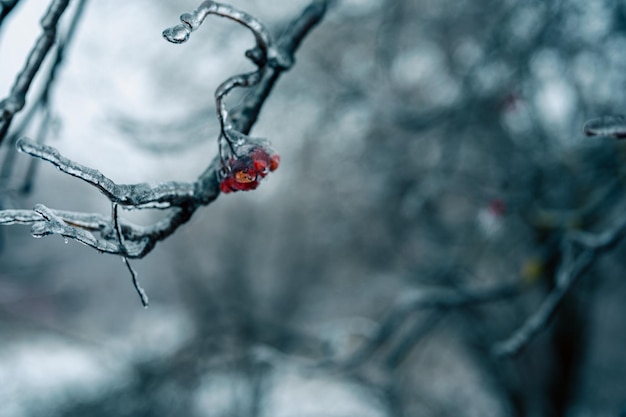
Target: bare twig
118	231
17	98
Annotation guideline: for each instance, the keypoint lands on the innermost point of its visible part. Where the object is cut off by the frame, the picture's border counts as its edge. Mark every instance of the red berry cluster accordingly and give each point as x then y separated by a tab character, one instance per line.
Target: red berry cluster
245	172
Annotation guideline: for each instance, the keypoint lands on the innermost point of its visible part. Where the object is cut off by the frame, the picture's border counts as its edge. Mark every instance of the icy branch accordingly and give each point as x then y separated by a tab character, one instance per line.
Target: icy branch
8	217
114	235
54	224
192	21
614	126
137	195
245	160
185	198
265	56
17	98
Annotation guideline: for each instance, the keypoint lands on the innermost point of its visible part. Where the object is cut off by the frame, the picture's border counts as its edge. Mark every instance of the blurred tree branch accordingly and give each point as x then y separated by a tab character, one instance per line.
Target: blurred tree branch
439	301
6	6
17	98
579	251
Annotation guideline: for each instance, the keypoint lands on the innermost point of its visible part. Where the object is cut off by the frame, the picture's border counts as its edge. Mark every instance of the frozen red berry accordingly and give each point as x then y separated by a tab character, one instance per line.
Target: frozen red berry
245	172
274	162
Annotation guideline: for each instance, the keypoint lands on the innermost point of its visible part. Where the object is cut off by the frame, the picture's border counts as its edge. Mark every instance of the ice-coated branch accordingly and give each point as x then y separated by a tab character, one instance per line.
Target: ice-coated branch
580	249
280	57
614	126
264	56
192	21
8	217
138	240
183	198
242	80
17	98
245	160
112	234
54	224
93	222
137	195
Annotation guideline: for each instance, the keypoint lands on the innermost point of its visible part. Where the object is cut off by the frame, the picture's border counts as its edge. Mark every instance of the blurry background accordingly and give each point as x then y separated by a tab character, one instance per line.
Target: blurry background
425	144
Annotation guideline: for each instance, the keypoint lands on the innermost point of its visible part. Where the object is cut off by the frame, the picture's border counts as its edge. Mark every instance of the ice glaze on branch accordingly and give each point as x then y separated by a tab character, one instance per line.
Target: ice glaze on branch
265	56
614	126
192	21
245	161
114	235
141	195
